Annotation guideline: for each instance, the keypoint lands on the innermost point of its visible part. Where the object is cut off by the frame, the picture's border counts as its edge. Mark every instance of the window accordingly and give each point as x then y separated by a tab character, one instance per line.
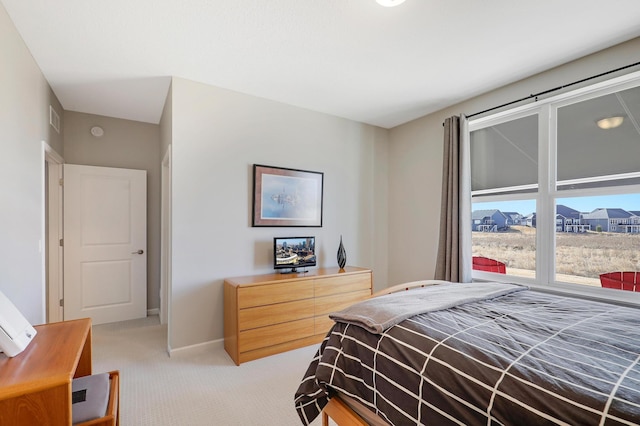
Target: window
504	181
555	195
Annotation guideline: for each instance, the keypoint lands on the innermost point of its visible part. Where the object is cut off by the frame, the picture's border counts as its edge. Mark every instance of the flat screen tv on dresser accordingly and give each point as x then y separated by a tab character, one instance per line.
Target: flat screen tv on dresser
292	253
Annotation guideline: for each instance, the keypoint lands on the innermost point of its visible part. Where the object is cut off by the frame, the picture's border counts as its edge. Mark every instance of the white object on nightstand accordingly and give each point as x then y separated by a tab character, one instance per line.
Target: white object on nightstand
15	331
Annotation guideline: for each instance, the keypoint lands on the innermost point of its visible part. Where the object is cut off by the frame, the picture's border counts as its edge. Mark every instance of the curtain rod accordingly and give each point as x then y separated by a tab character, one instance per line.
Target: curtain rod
535	95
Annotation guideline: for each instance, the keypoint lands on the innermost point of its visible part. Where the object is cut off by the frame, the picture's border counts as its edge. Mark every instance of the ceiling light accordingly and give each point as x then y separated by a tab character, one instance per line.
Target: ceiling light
389	3
610	122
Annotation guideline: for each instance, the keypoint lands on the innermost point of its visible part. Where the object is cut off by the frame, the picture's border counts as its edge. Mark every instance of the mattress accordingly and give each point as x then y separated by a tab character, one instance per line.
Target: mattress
522	358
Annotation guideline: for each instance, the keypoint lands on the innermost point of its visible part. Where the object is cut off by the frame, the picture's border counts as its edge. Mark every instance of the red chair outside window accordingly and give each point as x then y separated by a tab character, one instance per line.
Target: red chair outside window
481	263
629	281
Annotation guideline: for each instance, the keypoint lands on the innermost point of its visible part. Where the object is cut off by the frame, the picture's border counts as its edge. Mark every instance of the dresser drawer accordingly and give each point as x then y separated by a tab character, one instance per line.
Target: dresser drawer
323	324
327	304
274	334
274	293
261	316
342	284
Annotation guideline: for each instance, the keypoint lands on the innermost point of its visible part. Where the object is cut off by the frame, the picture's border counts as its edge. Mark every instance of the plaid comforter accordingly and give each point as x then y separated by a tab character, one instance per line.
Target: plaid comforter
527	358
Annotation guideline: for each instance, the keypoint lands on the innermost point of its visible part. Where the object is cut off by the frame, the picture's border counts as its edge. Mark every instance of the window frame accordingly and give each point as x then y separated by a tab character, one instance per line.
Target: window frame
548	188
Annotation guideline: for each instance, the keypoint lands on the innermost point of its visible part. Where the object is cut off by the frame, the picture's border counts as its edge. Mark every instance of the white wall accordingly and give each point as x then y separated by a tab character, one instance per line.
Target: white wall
415	159
217	135
166	122
24	124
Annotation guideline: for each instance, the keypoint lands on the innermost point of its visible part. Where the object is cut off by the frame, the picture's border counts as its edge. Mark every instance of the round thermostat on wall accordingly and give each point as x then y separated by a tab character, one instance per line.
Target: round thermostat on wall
97	131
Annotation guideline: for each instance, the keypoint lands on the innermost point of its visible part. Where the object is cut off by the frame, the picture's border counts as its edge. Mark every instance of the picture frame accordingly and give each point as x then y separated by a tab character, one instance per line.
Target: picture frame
286	197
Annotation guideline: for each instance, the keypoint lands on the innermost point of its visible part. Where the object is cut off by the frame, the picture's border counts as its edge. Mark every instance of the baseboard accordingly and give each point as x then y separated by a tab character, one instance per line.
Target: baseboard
154	311
213	344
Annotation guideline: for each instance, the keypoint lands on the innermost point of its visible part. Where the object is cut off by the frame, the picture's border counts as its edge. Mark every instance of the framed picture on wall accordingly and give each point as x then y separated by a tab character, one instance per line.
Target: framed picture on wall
286	197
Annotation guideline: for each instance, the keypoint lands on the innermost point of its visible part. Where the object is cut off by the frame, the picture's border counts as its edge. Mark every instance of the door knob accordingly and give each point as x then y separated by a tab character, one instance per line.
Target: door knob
137	252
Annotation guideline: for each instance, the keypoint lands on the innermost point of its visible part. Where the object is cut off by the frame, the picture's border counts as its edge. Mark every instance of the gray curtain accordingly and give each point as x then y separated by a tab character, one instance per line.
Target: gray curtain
454	248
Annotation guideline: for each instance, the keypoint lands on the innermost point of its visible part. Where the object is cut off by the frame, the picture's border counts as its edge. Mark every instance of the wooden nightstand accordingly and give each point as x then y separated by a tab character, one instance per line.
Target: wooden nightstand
35	385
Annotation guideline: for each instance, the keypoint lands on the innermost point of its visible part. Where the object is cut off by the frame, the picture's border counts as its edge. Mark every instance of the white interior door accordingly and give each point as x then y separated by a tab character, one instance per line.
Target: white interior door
105	253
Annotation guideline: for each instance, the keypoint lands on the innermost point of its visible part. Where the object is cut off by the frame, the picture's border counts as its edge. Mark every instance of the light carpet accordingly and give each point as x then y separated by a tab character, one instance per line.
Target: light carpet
198	386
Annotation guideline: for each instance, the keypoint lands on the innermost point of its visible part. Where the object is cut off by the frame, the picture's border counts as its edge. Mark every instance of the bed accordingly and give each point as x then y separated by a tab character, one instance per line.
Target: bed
511	357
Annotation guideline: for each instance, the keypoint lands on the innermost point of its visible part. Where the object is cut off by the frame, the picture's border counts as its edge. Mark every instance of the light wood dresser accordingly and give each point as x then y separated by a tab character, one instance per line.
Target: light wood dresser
273	313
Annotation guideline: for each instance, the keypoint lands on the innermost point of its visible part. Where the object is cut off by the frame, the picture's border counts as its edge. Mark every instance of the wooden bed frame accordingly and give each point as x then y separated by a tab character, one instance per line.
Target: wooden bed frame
336	409
408	286
341	414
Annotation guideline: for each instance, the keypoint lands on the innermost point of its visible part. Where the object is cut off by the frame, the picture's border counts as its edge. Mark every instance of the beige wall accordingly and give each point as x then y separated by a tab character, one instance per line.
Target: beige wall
415	159
217	137
55	138
129	145
25	97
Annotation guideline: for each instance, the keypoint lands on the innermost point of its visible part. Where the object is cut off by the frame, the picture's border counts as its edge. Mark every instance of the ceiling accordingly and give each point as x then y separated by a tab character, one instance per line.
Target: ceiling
349	58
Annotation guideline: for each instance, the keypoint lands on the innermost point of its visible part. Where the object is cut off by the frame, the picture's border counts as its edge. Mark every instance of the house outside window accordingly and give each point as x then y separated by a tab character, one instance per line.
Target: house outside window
575	185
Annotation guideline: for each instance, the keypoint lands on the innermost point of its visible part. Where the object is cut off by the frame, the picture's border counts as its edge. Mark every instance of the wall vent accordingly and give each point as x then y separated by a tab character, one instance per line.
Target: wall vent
54	119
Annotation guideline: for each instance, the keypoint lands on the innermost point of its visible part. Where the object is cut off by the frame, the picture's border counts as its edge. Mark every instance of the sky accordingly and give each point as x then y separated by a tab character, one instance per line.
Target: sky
582	204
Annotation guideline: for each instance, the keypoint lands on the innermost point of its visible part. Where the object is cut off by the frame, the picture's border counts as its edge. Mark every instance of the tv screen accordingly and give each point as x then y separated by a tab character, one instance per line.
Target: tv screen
294	252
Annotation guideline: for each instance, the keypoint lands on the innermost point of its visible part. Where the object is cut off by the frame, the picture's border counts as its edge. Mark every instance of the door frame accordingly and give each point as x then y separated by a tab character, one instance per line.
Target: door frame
53	253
